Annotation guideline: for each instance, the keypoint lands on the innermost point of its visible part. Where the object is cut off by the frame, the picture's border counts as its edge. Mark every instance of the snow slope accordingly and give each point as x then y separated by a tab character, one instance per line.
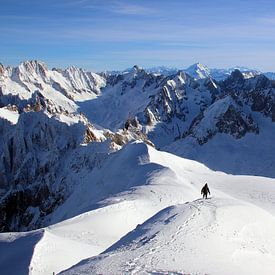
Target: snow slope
115	203
11	116
59	172
123	97
198	71
120	200
216	236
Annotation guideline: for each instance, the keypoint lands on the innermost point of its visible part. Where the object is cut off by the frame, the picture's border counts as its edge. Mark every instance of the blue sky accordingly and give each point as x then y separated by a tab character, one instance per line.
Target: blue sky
116	34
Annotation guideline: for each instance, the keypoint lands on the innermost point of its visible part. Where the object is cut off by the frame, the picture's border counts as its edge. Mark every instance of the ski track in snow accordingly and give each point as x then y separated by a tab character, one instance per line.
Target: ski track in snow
178	240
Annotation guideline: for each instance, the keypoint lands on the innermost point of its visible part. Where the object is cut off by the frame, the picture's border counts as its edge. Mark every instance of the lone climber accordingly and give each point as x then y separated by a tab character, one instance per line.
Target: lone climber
205	190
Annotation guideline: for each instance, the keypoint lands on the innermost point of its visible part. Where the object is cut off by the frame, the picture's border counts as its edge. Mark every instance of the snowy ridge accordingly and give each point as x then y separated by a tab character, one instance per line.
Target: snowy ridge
57	85
198	71
156	180
201	71
218	236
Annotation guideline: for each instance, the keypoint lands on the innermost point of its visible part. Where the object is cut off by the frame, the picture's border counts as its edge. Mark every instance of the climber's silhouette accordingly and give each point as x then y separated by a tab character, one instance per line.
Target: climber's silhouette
205	190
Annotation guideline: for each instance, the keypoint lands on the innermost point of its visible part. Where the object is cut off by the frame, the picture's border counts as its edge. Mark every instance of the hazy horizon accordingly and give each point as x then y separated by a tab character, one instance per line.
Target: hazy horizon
128	68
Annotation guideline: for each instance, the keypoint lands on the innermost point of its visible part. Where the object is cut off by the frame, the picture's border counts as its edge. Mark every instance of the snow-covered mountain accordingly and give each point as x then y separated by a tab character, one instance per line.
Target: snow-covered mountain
178	109
201	71
162	70
30	76
221	74
142	208
43	140
46	120
270	75
195	112
198	71
77	158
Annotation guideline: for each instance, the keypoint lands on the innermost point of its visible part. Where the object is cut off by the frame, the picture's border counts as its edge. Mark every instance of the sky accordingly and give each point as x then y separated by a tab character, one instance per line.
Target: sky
117	34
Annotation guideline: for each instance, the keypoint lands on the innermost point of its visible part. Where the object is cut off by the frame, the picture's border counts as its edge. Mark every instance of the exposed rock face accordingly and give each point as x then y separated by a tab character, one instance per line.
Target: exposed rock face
224	116
262	101
136	77
178	100
258	92
236	123
2	70
89	135
182	106
31	156
124	136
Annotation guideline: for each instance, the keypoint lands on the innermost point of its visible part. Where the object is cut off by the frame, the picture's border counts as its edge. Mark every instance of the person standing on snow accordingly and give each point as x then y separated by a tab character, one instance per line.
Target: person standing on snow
205	190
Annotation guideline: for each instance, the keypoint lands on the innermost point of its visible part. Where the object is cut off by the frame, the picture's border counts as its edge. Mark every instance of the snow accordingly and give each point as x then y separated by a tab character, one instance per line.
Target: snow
159	191
211	116
250	155
60	87
215	236
138	210
198	71
69	120
11	116
116	104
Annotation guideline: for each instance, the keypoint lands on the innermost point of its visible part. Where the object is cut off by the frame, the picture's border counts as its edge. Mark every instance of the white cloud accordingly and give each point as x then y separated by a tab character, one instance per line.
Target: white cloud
132	9
121	7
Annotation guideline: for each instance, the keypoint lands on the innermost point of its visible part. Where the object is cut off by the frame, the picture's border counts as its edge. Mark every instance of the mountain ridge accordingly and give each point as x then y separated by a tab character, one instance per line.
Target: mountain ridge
170	112
82	153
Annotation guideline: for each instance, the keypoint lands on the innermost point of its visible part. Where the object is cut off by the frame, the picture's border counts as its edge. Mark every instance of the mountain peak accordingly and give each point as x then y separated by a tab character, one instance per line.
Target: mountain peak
33	63
136	69
73	69
237	75
198	65
33	66
198	71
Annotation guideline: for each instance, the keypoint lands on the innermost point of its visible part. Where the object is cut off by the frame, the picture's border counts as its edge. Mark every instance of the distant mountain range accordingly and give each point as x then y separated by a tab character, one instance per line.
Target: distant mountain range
200	71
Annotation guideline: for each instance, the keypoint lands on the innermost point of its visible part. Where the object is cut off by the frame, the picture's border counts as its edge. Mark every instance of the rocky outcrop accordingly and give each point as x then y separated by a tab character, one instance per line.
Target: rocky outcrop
2	70
31	156
136	78
225	116
236	123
